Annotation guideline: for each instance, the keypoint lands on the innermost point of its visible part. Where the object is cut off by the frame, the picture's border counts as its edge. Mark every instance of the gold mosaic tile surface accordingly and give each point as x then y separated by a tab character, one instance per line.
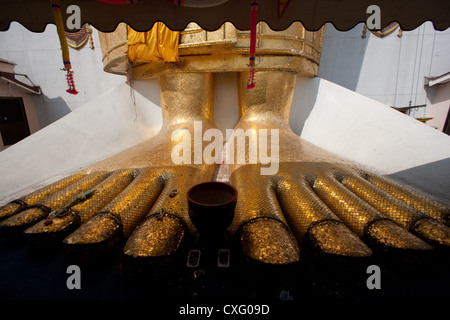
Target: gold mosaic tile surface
313	195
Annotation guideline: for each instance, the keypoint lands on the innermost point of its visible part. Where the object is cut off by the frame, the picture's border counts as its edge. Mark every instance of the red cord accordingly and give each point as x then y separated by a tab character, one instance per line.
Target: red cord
253	23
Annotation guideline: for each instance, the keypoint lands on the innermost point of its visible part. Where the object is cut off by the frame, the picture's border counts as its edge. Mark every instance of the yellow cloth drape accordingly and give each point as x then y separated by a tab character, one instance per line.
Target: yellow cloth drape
158	44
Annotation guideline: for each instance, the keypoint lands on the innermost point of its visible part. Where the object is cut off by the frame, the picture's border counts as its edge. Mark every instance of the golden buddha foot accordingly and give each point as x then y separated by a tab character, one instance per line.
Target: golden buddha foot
336	209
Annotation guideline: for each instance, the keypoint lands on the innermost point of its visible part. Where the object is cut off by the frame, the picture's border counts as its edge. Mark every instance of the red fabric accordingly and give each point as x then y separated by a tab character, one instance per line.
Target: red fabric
253	23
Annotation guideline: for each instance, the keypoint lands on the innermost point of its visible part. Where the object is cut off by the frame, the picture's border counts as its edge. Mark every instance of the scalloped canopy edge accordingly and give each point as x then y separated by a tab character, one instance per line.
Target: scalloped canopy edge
35	15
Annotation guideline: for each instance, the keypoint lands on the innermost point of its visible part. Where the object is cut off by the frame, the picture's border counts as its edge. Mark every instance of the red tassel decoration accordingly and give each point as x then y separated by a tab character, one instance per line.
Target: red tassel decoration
253	23
70	82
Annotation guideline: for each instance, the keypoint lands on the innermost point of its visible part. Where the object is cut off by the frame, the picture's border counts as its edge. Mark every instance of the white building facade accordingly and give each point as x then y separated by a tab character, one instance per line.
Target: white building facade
393	69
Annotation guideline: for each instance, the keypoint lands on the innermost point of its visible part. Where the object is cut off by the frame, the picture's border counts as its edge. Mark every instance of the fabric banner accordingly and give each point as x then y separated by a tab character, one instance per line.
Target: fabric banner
160	44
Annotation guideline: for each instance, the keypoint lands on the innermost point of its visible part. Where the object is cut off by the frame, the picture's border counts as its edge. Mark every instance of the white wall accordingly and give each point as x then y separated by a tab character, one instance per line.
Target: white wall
38	55
390	70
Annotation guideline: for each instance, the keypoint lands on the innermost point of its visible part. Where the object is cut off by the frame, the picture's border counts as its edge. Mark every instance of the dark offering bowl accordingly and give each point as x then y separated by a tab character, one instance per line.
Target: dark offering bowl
211	207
